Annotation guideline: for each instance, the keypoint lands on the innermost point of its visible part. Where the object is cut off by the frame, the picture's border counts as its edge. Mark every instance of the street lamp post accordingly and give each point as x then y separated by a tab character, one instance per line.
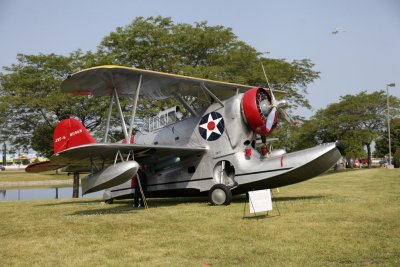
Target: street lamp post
390	165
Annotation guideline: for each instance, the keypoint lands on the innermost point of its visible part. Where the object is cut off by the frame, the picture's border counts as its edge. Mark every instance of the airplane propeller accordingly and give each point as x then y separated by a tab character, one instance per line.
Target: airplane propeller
269	109
260	109
273	107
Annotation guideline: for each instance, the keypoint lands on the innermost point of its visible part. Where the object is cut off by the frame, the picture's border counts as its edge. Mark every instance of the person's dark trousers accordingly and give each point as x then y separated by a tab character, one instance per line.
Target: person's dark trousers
138	194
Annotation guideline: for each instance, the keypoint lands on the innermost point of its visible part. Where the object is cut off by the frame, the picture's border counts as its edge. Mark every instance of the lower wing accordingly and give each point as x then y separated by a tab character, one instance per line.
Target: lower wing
86	157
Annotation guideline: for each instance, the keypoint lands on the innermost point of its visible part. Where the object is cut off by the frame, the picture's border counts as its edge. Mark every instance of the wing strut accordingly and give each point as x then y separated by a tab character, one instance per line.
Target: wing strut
121	115
134	110
114	97
211	94
108	118
187	106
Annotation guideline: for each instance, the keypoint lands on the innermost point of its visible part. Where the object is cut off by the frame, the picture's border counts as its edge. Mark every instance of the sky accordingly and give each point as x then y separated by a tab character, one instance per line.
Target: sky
366	56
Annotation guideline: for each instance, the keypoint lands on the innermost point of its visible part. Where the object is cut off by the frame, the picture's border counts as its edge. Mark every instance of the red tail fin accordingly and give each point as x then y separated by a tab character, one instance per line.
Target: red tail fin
70	133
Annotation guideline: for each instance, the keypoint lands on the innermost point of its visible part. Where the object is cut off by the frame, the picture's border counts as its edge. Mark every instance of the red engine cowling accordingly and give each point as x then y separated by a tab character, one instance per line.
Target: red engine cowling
251	106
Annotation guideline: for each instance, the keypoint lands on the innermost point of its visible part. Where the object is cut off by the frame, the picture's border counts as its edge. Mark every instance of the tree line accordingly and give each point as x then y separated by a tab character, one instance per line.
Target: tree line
356	120
31	103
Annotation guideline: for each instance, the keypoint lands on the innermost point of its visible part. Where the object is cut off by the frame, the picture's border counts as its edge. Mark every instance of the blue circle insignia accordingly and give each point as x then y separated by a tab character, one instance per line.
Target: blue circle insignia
211	126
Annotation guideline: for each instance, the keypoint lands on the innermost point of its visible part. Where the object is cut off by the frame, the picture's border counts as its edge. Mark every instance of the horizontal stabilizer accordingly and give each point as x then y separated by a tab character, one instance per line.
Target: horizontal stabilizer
43	167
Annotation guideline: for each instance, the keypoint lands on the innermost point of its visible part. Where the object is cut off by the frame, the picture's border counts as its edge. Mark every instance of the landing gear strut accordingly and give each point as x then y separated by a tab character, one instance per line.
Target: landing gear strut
220	195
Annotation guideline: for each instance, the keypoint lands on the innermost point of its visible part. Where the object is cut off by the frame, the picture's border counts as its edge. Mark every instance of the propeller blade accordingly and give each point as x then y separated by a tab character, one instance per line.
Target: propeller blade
269	86
271	119
287	117
273	99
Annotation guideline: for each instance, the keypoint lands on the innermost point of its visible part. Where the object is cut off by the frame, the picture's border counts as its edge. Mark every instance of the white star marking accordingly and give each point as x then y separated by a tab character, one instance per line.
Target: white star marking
211	126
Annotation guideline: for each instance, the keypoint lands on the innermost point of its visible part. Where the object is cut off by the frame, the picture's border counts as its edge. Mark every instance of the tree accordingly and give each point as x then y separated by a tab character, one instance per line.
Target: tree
204	51
30	97
42	139
356	120
296	137
382	143
396	158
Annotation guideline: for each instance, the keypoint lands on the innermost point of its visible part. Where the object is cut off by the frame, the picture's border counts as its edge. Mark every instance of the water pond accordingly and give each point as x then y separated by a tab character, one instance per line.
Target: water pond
43	193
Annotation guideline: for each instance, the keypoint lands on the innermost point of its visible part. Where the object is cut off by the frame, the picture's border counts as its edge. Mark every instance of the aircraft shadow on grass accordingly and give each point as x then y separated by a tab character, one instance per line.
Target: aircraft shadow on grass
284	199
106	211
160	202
83	202
125	206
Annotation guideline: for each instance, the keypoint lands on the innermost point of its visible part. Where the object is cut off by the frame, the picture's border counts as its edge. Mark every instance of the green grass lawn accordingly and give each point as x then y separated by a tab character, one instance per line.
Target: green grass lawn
18	176
349	218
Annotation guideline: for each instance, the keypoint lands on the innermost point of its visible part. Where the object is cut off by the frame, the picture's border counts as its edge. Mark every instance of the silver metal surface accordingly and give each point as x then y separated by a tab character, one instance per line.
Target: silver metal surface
108	177
276	169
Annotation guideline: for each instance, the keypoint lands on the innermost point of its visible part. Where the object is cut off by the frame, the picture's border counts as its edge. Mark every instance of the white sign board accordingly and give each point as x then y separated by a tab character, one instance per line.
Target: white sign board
260	200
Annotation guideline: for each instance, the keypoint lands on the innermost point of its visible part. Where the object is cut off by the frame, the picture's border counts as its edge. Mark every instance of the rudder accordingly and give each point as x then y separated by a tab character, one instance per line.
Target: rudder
70	133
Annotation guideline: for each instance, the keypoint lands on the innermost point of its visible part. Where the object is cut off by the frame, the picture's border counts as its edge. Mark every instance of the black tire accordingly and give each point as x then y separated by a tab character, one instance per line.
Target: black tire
109	201
220	194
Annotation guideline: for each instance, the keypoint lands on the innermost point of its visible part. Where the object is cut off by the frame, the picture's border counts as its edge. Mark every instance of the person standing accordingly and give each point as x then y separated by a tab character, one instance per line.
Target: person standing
140	181
351	163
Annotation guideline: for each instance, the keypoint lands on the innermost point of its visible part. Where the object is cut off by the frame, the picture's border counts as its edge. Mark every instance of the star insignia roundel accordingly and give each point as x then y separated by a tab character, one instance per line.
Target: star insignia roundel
211	126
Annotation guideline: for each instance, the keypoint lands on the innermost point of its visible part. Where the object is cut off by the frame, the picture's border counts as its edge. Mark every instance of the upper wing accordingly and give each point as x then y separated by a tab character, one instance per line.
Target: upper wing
155	85
83	158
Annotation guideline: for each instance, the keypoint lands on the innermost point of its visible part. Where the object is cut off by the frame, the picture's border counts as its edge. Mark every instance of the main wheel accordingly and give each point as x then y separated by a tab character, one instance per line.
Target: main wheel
109	201
220	195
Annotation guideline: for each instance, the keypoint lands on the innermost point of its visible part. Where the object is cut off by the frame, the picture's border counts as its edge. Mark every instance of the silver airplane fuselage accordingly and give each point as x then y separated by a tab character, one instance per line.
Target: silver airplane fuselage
231	156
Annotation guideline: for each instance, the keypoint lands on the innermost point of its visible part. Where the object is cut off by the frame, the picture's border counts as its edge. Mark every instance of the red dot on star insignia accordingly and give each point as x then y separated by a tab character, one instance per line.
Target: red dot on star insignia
211	125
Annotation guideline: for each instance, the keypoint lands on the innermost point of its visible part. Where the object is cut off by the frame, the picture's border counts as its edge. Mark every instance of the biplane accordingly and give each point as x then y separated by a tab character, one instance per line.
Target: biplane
208	144
337	30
